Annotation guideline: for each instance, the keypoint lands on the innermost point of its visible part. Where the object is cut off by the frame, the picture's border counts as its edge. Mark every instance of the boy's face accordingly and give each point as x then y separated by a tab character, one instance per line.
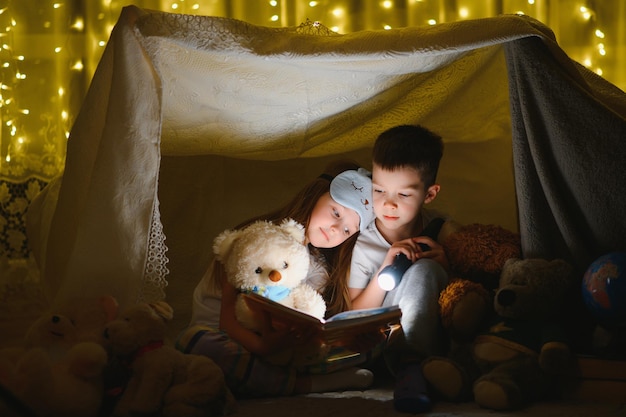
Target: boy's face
398	197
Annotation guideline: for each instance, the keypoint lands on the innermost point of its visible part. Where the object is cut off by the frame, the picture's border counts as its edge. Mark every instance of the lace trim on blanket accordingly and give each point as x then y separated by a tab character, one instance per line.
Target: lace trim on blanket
154	282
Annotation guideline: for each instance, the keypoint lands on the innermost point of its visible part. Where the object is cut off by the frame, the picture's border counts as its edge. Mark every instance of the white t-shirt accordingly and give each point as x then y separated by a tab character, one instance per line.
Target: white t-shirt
206	306
370	250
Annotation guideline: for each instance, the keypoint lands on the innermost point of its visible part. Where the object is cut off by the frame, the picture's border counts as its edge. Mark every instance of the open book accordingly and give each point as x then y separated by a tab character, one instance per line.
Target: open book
340	327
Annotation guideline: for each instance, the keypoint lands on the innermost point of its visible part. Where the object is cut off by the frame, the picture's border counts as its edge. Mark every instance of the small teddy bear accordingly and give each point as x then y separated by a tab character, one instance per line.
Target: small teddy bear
163	381
58	369
80	319
71	386
271	260
518	358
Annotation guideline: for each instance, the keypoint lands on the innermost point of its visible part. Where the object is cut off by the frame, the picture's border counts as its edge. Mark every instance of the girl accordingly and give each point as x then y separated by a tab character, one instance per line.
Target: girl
334	208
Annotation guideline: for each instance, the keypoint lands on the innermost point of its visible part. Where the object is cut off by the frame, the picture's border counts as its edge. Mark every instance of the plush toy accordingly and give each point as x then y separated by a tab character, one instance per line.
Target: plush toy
163	381
524	349
81	319
59	367
71	386
271	260
476	254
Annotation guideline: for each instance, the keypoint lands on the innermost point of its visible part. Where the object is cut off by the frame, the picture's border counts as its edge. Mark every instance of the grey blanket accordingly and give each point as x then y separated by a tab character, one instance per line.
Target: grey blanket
569	147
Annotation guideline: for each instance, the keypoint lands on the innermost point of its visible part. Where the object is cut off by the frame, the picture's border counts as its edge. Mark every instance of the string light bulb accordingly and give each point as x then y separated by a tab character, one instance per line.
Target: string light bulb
62	22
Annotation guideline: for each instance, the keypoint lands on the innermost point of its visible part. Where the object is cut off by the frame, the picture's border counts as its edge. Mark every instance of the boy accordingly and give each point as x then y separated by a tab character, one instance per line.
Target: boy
404	170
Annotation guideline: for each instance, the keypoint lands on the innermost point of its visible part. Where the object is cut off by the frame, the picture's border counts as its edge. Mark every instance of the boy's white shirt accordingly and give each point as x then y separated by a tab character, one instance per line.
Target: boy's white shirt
370	250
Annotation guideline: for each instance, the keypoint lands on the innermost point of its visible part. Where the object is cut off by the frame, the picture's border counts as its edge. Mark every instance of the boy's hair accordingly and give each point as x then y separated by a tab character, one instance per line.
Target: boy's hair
409	146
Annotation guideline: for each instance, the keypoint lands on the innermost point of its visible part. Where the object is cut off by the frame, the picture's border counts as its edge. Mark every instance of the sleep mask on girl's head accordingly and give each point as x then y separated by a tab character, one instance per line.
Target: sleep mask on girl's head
353	189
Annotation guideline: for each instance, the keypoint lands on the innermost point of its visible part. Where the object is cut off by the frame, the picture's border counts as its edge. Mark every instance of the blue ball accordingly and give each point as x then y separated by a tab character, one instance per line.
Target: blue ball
604	289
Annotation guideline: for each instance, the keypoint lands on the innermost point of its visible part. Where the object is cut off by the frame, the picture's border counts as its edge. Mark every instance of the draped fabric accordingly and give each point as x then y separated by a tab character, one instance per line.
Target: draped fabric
193	123
569	149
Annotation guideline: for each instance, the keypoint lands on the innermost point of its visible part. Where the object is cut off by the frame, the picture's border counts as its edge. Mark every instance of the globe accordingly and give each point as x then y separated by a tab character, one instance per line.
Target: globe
604	289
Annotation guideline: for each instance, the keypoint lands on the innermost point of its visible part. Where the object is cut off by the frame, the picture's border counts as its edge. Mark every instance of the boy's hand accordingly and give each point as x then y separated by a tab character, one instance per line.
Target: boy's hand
410	247
436	251
413	250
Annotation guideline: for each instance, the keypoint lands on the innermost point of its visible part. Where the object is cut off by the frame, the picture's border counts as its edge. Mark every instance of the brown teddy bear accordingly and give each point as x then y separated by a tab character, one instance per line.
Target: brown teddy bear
476	254
163	381
518	358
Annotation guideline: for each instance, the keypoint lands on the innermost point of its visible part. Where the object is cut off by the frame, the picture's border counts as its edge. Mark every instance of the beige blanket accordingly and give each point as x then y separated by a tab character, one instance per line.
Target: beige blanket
192	124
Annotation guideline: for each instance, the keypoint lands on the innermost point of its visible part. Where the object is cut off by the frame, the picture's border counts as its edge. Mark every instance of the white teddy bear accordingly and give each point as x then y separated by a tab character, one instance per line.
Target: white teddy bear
271	260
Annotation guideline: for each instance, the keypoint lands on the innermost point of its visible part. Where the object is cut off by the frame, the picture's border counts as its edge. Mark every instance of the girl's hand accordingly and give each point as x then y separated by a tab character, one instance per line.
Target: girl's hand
274	341
276	336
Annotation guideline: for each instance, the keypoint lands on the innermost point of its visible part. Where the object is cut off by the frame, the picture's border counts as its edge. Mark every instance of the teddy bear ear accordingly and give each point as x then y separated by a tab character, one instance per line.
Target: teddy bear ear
223	243
562	268
162	309
110	306
510	262
295	229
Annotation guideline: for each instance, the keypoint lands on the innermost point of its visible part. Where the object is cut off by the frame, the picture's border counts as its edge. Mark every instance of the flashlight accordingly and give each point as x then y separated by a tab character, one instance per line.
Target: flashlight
391	275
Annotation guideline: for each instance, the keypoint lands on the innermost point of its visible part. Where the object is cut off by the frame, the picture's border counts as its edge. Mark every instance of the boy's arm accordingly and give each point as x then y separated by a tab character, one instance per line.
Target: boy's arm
373	295
368	297
362	283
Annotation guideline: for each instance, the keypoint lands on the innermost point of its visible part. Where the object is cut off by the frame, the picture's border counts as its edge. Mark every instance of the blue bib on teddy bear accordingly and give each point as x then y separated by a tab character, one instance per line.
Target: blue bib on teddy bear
274	293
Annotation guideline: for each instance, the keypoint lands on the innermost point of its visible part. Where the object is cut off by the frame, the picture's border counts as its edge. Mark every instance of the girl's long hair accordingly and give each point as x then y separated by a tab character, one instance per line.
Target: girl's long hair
337	259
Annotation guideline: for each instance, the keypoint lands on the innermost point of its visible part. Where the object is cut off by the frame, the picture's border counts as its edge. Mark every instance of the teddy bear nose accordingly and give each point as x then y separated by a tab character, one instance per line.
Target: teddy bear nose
506	297
275	276
56	319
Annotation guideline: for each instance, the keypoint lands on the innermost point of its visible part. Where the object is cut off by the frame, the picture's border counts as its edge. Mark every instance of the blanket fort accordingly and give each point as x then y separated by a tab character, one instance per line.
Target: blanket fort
188	118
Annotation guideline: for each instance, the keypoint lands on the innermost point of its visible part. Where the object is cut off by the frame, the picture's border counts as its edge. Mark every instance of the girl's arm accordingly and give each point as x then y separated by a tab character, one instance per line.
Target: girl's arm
269	341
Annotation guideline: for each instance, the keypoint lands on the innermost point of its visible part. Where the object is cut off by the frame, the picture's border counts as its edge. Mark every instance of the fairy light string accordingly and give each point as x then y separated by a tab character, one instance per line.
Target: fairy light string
41	87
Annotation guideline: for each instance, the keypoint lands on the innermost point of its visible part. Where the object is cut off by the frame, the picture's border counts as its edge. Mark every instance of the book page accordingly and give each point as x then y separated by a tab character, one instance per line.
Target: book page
337	329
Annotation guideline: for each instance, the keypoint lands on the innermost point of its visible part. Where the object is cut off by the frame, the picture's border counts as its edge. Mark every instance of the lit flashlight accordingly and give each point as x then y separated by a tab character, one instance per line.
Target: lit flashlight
391	275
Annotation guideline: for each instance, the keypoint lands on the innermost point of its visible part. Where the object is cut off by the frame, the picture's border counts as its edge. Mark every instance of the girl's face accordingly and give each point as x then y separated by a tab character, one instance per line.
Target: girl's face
331	223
